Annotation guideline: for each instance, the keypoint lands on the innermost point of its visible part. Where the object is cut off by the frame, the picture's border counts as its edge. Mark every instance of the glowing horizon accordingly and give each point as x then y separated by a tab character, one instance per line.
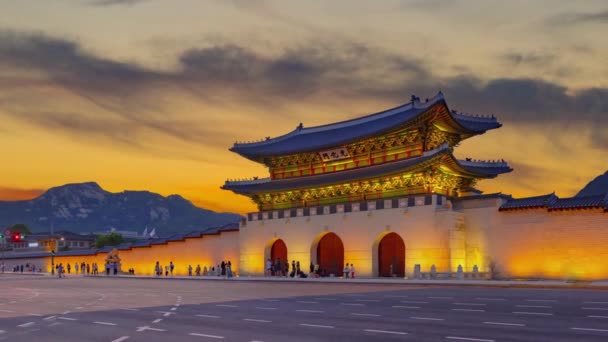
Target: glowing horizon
89	94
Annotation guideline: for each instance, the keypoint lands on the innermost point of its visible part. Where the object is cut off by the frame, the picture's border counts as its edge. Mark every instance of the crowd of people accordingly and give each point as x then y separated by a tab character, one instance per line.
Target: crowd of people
280	268
223	269
21	268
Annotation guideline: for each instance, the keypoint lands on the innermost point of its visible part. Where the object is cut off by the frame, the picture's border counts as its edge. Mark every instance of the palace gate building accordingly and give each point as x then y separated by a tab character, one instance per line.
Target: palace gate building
384	192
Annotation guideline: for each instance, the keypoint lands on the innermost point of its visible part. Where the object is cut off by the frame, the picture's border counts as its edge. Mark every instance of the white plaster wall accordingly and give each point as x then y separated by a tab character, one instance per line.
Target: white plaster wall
422	229
536	243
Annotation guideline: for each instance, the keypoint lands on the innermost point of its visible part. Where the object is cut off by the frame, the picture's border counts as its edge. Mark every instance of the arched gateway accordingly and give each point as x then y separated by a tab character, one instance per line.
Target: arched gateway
330	255
391	256
278	250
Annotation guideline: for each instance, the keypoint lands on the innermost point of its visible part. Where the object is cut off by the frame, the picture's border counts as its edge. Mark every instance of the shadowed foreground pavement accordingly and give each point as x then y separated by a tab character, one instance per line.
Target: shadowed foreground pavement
102	309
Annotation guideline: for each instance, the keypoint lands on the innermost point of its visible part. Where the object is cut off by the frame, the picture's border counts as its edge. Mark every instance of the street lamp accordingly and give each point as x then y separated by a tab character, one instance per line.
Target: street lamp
53	262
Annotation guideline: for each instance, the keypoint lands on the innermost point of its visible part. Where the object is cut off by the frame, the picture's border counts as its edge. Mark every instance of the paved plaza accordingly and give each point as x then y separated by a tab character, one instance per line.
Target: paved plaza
41	308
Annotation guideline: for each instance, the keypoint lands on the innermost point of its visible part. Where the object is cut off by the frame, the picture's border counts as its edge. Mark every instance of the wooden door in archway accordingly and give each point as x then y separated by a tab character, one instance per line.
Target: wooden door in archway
330	255
278	251
391	256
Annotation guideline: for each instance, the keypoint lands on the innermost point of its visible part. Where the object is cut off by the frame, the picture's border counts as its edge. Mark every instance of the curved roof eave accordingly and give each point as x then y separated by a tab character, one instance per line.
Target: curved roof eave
335	134
248	187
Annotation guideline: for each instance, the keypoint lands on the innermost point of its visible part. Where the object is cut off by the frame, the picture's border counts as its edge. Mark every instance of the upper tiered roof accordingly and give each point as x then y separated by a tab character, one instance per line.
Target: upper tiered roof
326	136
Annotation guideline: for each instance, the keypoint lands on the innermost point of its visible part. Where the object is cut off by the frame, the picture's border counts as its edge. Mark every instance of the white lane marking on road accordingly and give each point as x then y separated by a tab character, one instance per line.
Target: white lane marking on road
208	316
595	302
50	317
470	310
405	307
120	339
428	318
541	300
25	325
314	311
597	316
534	306
6	311
66	312
264	308
353	304
177	305
471	304
157	320
140	329
510	324
533	313
104	323
173	309
602	309
35	314
205	335
166	314
413	302
365	314
441	297
490	299
227	305
68	318
256	320
468	339
306	302
386	332
317	326
590	329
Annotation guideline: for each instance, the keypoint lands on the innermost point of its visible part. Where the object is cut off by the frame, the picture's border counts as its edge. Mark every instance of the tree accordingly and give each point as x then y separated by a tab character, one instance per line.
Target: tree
20	228
112	239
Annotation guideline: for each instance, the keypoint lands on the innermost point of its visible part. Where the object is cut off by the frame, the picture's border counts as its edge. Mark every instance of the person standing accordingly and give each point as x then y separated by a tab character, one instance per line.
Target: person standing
69	268
346	271
268	267
229	269
76	268
190	270
198	270
352	271
297	269
171	267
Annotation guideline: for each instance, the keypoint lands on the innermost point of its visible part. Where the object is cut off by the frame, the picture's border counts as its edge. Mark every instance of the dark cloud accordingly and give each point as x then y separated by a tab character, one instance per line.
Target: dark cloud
136	97
580	18
103	3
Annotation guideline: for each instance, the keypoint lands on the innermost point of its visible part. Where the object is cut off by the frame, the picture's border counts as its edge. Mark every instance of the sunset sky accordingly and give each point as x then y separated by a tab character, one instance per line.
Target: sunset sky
150	94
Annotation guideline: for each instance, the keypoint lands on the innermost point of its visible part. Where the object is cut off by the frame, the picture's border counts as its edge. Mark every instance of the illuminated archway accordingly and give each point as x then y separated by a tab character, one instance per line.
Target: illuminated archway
391	256
328	253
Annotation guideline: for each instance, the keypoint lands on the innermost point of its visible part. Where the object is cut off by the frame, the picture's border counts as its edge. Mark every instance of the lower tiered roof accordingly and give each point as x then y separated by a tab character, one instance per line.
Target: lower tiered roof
551	202
441	155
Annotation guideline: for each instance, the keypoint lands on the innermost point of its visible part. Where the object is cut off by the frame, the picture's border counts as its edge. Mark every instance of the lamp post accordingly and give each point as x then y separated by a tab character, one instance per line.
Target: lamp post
53	262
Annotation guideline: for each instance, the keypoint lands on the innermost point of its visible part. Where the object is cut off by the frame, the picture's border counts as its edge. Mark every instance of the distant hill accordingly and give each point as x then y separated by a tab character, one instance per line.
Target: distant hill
86	208
598	186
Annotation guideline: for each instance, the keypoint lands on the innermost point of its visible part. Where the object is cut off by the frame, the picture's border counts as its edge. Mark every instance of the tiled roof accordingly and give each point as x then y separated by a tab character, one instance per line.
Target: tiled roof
529	202
326	136
479	169
552	202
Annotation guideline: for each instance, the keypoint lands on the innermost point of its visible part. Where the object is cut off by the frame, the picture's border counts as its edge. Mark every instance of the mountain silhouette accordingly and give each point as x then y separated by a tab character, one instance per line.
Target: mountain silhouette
598	186
87	208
